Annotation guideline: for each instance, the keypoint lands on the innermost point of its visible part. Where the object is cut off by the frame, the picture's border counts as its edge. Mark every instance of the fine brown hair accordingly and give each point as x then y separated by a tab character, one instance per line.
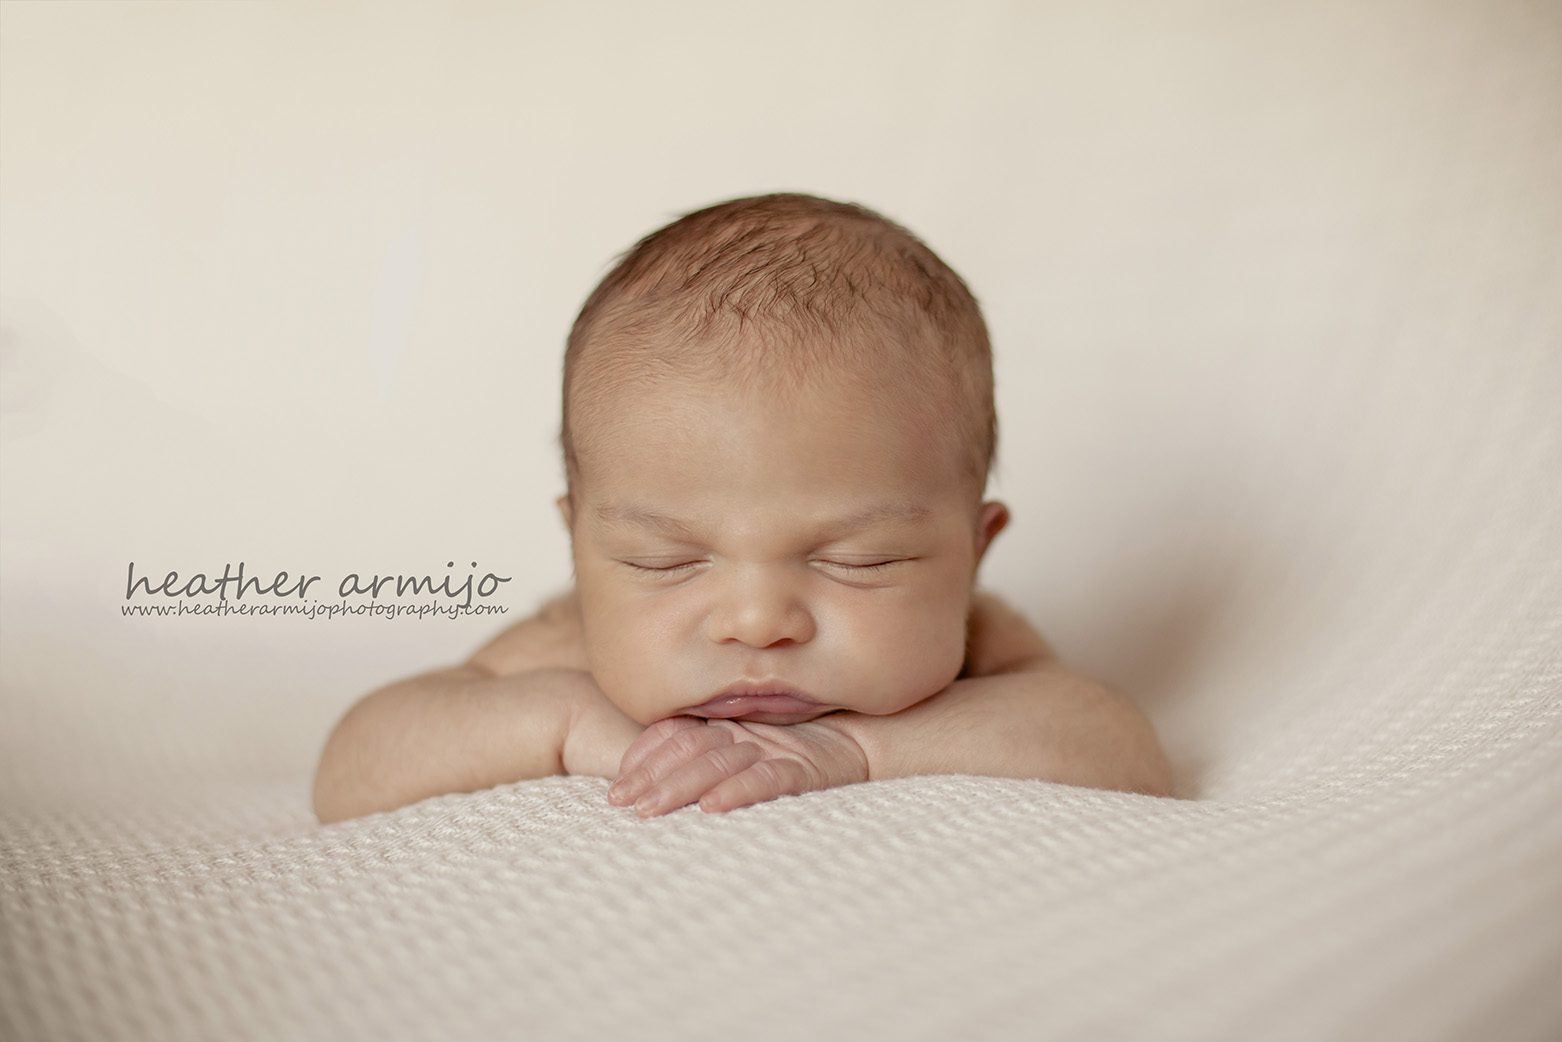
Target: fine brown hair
785	288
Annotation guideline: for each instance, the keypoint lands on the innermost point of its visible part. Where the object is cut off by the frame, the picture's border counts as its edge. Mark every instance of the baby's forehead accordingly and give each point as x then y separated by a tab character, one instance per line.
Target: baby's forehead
618	511
704	392
894	520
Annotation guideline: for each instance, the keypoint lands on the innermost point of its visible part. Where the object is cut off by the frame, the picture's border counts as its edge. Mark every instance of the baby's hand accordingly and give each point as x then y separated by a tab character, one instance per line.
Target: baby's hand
729	763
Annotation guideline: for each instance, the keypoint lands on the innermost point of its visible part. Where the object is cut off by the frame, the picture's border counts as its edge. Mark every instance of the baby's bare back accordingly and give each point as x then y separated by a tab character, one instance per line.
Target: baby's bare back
550	638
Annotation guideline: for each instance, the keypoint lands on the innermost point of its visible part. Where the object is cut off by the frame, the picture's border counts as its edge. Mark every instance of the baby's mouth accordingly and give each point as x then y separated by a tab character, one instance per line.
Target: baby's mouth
746	705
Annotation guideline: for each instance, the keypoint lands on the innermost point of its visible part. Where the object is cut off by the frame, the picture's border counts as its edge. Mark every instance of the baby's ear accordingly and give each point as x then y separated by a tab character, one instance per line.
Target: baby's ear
994	518
566	511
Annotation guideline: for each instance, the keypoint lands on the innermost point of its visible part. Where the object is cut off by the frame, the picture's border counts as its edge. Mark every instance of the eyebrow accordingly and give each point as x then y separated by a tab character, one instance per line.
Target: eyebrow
877	514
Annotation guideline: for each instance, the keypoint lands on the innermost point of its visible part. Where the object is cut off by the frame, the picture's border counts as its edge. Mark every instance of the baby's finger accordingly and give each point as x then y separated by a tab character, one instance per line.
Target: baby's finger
763	781
686	744
686	784
653	736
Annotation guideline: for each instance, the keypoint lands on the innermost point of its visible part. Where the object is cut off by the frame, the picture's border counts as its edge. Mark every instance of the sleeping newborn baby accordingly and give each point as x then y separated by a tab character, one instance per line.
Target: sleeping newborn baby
778	424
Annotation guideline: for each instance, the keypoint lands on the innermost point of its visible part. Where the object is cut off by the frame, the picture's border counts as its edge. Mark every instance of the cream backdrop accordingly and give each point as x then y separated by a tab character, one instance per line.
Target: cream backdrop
1275	292
288	284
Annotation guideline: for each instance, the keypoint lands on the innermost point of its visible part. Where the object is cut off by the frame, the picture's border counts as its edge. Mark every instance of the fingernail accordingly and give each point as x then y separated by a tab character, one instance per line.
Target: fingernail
648	806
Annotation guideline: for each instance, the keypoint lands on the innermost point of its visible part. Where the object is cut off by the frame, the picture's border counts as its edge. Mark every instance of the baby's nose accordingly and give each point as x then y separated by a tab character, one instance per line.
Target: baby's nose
765	621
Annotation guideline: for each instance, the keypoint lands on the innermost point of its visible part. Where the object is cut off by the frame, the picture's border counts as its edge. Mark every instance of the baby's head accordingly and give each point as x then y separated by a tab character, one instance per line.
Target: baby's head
778	426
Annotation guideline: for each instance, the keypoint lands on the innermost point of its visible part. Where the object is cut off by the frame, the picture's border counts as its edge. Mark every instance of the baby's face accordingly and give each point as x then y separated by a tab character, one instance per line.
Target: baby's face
714	542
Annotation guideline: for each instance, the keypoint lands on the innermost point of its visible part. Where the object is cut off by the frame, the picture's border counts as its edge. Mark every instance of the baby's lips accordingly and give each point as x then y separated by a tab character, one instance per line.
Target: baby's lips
737	706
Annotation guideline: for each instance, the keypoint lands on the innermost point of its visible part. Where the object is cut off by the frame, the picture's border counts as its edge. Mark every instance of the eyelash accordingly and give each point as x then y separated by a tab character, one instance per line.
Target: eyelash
859	568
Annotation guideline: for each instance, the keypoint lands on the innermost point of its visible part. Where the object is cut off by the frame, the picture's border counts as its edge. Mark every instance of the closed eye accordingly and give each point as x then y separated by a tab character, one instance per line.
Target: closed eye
859	568
881	566
661	571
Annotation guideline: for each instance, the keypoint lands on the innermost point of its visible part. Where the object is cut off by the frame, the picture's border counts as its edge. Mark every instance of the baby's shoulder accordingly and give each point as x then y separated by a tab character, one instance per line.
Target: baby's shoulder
549	638
999	639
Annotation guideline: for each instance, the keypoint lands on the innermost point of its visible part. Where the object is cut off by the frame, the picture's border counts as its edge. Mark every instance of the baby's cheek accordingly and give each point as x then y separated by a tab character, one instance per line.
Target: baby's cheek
626	690
916	656
632	677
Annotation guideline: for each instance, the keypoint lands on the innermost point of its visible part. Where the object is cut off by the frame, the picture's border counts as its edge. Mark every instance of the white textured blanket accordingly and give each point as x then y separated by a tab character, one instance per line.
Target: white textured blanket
1309	513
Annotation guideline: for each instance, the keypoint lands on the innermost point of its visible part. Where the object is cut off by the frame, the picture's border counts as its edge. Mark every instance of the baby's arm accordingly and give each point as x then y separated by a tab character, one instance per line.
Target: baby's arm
450	730
1013	712
505	715
1019	714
